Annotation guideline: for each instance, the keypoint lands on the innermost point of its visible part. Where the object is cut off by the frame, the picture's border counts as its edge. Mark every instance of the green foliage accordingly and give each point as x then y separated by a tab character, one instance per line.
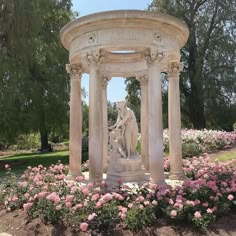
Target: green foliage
207	83
133	96
107	215
34	91
191	149
27	142
112	112
139	217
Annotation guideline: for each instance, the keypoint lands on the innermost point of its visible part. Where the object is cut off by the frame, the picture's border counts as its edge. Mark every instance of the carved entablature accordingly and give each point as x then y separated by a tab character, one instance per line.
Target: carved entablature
157	36
153	55
174	68
75	70
115	36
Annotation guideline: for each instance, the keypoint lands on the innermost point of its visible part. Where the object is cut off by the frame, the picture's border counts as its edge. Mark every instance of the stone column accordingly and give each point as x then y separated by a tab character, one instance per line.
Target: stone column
143	79
155	124
105	80
95	118
75	71
174	119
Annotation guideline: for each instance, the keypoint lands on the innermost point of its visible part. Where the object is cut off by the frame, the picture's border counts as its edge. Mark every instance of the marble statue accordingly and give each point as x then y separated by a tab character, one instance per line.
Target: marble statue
124	134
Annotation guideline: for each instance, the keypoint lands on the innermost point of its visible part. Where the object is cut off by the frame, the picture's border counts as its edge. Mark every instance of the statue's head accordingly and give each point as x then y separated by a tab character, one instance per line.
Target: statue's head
121	104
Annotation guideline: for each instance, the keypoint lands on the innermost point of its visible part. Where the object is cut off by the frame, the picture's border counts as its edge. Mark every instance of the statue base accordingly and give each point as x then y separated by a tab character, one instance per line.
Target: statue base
125	170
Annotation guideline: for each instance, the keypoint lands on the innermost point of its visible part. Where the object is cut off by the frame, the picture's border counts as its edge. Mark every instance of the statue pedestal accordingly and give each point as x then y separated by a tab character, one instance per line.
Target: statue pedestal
125	170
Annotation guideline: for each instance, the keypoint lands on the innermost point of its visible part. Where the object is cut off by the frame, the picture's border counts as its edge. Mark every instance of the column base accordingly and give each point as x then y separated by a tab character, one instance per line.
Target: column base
105	167
177	176
153	182
125	170
72	175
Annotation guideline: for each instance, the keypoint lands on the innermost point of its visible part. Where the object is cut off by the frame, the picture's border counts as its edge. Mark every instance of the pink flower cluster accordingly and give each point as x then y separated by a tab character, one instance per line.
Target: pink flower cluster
209	191
206	140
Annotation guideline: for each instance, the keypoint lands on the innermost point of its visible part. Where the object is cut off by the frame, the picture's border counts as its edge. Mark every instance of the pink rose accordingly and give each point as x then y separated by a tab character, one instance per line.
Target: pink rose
122	216
7	166
107	197
98	205
85	191
141	207
173	213
79	178
197	214
171	202
154	202
95	196
146	203
209	211
230	197
27	206
92	216
68	204
69	198
130	205
58	207
84	226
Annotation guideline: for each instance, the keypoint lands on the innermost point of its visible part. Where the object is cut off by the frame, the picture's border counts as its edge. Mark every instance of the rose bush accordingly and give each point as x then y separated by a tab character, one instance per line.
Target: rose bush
196	142
43	193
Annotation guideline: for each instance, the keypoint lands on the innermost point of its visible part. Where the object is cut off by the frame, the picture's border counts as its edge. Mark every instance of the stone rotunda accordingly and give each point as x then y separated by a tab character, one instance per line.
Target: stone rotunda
125	43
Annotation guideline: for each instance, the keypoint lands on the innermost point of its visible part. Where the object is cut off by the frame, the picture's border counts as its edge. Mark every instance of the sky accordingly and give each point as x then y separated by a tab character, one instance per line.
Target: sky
116	87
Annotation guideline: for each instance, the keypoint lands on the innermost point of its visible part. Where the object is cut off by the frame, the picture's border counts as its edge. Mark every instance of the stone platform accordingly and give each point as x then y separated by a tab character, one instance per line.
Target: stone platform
125	170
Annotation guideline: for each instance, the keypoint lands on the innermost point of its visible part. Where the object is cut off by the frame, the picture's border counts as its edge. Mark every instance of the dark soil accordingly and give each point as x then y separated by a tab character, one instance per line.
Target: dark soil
16	223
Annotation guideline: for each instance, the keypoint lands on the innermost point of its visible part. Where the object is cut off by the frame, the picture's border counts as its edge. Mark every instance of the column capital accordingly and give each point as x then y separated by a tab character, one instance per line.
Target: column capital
95	57
105	80
142	78
75	70
153	55
174	68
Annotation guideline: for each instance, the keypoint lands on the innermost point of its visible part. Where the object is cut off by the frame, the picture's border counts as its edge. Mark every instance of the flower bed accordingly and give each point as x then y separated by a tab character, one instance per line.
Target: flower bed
196	142
43	193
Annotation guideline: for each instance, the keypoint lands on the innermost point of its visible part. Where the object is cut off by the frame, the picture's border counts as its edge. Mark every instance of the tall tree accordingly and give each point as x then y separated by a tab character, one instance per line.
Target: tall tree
33	72
208	83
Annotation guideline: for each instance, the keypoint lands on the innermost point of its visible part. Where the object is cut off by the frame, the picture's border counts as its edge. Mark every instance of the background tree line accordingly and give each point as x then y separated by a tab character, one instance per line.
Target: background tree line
208	82
34	86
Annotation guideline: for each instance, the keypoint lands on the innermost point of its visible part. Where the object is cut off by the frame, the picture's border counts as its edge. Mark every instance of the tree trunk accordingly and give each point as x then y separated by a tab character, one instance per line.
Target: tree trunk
196	96
196	107
45	146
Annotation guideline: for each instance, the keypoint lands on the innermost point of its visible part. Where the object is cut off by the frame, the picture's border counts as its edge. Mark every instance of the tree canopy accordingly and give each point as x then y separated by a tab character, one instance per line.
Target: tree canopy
34	86
208	84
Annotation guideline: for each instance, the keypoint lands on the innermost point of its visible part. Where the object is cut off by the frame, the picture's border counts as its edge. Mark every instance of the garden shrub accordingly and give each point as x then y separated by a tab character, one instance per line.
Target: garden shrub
139	216
27	142
42	192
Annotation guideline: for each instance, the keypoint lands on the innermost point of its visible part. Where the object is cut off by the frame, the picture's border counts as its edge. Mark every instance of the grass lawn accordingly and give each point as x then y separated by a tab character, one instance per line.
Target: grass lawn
225	156
19	162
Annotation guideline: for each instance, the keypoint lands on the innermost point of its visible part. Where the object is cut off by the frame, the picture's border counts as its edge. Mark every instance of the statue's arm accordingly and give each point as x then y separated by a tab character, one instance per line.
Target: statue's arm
124	120
117	122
